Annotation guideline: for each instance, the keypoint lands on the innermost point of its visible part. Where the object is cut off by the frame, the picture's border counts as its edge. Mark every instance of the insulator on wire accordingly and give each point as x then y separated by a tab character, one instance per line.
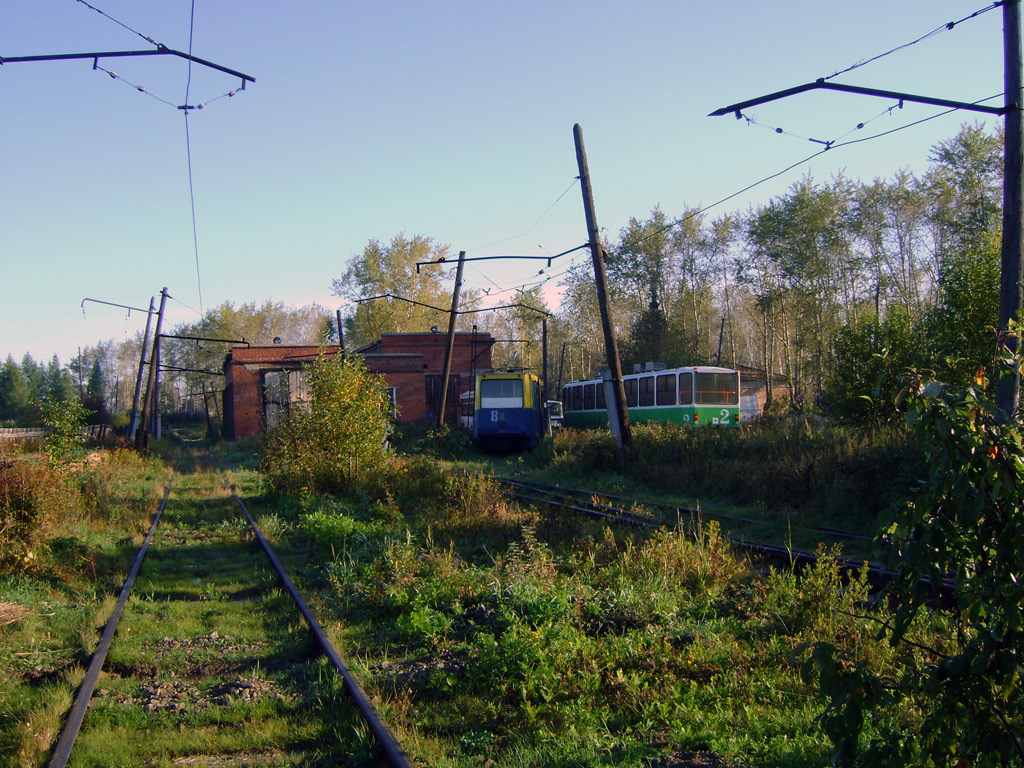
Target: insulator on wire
113	74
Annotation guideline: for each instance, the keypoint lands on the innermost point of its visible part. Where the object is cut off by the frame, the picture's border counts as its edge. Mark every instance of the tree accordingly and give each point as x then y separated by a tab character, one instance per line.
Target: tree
517	328
871	359
252	322
59	386
95	393
390	271
14	397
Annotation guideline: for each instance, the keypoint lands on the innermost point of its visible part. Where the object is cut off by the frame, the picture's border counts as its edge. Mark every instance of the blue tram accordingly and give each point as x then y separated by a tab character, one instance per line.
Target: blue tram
508	411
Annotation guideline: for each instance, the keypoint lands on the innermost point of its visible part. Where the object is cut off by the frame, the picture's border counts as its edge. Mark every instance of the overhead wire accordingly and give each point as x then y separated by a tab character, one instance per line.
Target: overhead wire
807	159
948	26
833	143
188	152
121	23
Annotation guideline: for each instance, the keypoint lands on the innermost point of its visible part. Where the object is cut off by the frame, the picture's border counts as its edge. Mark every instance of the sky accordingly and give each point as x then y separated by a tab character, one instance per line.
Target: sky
451	120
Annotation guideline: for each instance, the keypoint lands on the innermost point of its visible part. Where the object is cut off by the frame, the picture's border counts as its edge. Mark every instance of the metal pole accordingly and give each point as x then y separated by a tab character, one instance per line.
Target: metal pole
443	398
134	423
618	417
1008	386
341	333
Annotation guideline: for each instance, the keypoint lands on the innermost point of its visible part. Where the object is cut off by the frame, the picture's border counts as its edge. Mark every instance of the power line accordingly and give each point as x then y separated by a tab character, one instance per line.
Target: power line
807	159
943	28
188	154
120	23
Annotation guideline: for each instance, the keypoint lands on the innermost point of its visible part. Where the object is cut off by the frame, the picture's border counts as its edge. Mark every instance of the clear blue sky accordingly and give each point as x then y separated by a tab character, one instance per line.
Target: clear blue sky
452	120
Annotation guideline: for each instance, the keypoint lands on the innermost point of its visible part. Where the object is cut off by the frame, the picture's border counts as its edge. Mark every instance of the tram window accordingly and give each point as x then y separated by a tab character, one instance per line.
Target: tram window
577	398
717	388
599	398
685	388
501	388
588	397
631	388
665	389
647	390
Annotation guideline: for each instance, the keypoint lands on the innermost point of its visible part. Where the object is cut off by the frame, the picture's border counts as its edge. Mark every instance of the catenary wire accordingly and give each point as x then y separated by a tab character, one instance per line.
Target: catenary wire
188	152
807	159
942	28
120	23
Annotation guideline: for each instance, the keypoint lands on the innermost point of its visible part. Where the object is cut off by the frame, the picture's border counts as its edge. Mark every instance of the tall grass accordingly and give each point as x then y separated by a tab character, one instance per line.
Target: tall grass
841	474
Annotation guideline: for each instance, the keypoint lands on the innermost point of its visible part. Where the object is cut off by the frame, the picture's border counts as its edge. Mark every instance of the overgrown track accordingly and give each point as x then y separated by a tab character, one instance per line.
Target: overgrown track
163	677
645	514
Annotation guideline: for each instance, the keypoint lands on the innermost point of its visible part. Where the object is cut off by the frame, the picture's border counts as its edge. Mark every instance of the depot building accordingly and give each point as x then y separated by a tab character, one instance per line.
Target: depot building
261	384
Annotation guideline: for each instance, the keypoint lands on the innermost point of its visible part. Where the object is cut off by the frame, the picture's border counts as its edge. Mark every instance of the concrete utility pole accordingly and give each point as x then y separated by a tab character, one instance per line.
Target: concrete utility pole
1008	387
142	435
618	416
443	396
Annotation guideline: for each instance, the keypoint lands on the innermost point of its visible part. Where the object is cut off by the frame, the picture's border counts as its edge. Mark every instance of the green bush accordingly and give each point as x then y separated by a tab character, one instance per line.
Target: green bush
966	520
33	502
337	442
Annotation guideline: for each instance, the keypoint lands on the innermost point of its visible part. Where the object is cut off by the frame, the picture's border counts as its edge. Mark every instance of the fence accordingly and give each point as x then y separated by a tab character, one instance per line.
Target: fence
93	432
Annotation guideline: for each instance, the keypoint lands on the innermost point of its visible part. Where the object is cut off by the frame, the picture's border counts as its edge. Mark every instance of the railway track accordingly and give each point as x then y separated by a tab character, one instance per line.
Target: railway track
626	511
212	656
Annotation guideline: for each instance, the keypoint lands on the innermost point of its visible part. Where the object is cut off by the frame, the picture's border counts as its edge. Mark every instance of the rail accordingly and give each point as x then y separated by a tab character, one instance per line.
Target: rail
395	756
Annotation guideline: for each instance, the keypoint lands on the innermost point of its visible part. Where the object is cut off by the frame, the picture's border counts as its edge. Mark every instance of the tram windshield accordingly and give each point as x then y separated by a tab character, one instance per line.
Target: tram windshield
501	393
717	388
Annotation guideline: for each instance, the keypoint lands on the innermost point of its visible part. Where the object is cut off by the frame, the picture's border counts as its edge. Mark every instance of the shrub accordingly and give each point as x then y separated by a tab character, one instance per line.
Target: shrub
337	443
966	519
66	420
33	500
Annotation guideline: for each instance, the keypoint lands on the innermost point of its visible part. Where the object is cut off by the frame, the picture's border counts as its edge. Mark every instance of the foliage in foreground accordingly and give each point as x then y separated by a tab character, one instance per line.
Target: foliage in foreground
966	522
501	632
62	536
339	441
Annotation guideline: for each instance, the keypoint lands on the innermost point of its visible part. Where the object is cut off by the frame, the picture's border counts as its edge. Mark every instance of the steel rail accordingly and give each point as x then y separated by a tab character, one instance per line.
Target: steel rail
76	715
723	516
878	574
396	756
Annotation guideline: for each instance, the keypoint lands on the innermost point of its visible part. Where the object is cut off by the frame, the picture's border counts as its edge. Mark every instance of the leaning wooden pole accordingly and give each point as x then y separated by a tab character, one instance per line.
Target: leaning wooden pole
618	416
133	425
1008	386
449	349
142	435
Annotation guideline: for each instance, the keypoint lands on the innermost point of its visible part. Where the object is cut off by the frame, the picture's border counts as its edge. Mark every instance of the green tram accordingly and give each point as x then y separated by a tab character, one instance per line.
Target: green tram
703	395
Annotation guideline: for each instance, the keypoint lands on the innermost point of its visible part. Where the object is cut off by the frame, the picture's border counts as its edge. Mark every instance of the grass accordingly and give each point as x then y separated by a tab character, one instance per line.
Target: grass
487	634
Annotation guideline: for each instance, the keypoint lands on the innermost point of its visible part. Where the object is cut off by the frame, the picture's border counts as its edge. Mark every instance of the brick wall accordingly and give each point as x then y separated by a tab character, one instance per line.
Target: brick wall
404	359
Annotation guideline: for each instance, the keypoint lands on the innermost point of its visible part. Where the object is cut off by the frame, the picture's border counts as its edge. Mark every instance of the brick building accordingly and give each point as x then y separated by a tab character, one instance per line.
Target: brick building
261	383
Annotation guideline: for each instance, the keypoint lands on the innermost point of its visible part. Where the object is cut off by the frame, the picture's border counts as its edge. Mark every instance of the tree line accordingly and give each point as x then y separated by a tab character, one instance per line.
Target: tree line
831	290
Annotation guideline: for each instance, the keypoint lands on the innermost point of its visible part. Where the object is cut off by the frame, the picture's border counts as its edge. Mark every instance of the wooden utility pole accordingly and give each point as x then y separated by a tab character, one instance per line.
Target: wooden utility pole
142	435
618	416
443	396
341	333
133	425
1008	386
544	355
